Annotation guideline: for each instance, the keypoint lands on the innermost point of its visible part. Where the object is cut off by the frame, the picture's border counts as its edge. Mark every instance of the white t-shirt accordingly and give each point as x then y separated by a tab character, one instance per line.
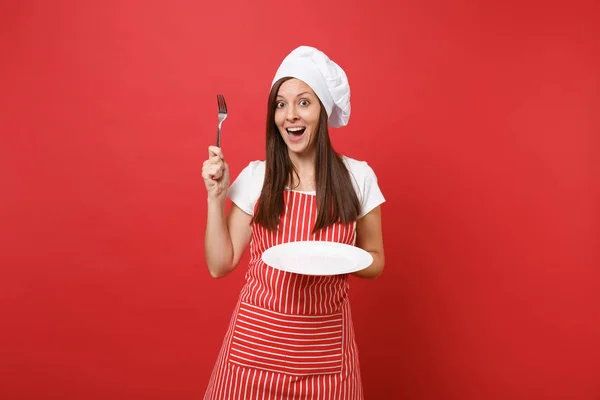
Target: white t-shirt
246	188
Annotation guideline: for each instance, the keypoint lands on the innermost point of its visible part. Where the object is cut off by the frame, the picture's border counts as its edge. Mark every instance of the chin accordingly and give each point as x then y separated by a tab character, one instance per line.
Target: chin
299	149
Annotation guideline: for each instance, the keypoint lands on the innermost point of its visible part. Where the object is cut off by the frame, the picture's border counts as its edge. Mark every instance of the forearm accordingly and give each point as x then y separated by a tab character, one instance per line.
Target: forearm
218	247
375	269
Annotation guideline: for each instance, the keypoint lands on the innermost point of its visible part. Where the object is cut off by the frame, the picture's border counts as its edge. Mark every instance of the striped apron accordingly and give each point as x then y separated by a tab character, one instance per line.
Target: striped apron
291	336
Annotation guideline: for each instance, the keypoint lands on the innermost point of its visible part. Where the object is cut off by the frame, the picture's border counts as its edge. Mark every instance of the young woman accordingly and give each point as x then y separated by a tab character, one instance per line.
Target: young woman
291	335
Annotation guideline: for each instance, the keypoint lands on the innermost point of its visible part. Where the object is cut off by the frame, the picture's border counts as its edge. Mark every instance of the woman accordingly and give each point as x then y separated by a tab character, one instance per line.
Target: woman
291	335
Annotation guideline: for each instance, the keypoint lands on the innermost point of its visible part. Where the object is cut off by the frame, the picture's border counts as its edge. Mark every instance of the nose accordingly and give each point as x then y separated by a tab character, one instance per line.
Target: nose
292	113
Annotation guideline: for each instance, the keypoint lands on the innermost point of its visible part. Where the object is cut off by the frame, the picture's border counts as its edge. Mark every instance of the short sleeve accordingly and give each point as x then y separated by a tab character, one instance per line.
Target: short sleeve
245	189
366	186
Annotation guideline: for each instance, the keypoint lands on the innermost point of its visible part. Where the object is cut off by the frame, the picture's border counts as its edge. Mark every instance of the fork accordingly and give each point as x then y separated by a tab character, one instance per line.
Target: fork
222	116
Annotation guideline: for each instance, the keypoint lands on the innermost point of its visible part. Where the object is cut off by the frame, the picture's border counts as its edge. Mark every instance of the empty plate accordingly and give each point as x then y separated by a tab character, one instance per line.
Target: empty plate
317	258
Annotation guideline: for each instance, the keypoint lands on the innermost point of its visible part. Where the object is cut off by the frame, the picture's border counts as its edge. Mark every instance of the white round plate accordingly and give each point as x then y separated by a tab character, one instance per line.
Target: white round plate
317	258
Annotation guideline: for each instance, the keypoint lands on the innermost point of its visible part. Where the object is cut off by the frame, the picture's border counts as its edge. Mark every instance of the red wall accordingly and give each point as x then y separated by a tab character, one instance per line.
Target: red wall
480	118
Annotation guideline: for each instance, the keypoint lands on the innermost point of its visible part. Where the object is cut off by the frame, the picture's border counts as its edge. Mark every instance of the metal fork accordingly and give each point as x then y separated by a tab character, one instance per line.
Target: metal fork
222	116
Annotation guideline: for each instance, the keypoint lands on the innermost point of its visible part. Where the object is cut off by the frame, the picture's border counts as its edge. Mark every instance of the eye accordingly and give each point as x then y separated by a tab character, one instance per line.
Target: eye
304	102
279	104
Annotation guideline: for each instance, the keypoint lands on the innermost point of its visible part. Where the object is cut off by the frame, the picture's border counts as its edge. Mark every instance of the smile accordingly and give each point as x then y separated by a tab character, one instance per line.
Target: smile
296	130
295	133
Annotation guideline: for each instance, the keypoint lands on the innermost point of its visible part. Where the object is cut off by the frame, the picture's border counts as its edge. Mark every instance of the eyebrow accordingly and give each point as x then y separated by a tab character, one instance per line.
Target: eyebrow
298	95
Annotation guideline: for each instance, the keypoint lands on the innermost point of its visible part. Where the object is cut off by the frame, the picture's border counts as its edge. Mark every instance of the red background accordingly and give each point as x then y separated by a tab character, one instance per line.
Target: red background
481	119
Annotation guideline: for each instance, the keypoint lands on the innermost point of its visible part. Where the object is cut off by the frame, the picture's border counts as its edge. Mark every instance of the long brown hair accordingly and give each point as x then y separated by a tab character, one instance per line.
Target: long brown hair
336	198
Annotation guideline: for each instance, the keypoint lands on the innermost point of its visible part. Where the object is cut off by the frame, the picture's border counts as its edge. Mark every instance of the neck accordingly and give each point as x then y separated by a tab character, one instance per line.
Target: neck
305	167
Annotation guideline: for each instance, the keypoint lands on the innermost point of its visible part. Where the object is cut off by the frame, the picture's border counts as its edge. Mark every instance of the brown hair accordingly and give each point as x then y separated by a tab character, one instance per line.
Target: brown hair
335	202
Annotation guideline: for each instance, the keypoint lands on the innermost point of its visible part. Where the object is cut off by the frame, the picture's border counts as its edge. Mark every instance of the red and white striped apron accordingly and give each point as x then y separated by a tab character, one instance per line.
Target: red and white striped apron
291	335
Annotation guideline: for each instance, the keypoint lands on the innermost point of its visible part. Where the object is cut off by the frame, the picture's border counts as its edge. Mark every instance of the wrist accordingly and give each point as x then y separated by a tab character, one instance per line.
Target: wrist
217	201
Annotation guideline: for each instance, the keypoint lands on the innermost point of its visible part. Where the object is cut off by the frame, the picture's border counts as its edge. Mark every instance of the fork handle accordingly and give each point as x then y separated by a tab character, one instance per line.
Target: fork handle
219	136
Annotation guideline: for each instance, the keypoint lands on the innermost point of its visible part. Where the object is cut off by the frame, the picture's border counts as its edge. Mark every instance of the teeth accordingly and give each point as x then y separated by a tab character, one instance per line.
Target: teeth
295	129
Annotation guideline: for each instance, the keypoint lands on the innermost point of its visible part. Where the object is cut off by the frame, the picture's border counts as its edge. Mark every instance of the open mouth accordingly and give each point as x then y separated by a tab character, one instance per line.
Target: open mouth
296	132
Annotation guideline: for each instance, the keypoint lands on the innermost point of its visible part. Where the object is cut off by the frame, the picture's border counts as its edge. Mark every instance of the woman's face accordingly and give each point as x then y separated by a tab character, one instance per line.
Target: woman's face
297	111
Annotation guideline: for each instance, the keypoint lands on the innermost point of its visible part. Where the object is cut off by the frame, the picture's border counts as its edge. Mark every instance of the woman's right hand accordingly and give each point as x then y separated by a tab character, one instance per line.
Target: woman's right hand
215	173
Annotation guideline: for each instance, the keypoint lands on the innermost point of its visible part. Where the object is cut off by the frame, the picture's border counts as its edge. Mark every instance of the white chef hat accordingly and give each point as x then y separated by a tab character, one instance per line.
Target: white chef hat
327	79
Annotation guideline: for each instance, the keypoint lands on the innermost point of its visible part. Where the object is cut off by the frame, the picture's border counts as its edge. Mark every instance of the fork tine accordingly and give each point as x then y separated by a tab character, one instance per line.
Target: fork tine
224	104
